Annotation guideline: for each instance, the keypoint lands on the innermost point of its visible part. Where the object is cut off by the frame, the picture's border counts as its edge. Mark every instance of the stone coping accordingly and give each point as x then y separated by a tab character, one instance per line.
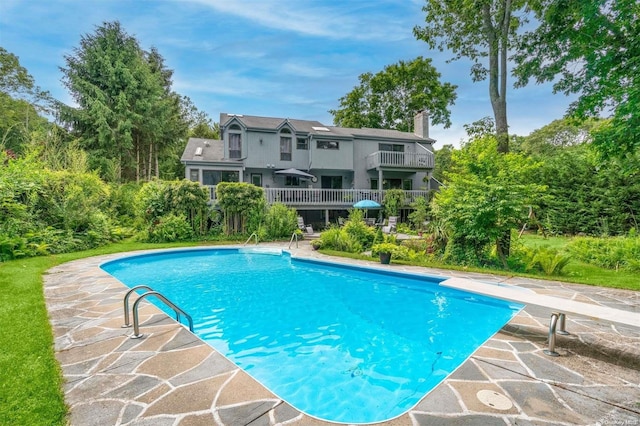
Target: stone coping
171	377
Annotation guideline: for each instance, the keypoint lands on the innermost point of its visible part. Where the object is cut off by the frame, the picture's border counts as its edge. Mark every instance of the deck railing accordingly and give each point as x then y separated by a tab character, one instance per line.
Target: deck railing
342	198
404	160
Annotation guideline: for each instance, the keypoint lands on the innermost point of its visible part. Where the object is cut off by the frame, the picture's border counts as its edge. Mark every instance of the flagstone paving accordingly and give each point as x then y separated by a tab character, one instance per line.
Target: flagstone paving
171	377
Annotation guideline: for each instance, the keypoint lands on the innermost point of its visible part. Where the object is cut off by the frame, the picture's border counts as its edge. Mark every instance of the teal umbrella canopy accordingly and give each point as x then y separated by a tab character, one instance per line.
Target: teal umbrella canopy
367	204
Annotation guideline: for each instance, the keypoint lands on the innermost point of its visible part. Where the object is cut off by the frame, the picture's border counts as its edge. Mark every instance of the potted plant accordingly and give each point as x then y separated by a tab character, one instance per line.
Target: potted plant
384	250
316	244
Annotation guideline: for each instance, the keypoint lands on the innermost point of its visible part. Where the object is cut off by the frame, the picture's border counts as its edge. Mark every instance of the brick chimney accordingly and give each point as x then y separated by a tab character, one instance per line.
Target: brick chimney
421	124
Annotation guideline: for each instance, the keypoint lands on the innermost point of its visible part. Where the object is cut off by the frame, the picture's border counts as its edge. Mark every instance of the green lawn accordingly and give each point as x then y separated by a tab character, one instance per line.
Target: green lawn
31	381
583	273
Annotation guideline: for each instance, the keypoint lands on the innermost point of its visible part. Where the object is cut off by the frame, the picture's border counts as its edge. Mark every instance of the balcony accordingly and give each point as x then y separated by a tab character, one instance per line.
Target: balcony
400	160
326	198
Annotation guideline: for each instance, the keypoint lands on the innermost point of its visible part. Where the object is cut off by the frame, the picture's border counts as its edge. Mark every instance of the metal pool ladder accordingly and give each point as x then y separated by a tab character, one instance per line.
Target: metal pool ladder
250	237
136	323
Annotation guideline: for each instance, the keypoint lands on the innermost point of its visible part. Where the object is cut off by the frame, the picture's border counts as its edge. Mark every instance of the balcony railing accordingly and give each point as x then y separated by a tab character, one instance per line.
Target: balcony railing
326	198
403	160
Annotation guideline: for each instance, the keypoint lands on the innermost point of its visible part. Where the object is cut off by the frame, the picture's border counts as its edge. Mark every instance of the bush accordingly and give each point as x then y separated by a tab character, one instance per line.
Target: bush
610	253
170	228
280	221
546	260
358	230
338	239
158	199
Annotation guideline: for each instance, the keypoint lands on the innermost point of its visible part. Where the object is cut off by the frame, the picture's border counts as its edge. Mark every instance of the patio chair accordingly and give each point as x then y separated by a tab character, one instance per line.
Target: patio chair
391	225
304	228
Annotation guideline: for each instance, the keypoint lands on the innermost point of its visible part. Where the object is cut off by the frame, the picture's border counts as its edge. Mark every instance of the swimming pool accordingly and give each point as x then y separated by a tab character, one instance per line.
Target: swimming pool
340	343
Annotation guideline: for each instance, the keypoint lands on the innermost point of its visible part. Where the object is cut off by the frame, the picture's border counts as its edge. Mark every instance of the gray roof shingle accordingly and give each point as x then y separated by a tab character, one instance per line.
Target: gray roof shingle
307	126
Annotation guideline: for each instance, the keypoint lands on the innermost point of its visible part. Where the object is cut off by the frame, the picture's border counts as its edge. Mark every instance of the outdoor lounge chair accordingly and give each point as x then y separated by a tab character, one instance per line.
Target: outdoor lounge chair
304	228
391	225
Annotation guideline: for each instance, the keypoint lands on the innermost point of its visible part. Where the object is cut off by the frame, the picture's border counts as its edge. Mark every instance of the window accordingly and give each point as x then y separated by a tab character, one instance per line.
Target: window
291	181
407	184
235	145
331	182
194	175
285	145
235	142
390	147
214	177
302	143
324	144
374	183
256	179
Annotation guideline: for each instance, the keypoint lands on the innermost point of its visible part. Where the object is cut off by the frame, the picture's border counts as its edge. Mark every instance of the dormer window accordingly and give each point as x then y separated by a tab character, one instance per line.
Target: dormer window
285	144
235	141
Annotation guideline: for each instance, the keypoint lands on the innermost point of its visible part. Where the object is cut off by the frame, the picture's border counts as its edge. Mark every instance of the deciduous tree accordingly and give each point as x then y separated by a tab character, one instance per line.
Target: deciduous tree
391	98
481	30
591	48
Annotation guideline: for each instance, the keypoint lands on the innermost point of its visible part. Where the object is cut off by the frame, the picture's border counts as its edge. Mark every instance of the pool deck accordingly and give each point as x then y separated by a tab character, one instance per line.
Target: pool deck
170	377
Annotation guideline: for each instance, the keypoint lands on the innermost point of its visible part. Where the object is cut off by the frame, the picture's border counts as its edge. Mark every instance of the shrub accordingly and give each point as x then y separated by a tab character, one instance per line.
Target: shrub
358	230
547	260
610	253
158	199
280	221
338	239
170	228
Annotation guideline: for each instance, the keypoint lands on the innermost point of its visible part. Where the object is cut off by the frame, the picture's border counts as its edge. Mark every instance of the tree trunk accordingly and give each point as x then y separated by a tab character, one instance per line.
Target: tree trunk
150	161
497	37
138	159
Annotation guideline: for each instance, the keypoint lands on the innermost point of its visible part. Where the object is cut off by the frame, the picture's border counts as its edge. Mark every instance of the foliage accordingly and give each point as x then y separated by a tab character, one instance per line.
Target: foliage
358	230
557	135
391	98
487	195
20	103
127	116
420	213
591	48
478	30
611	253
393	201
241	202
383	248
587	195
547	260
44	211
338	239
280	221
160	203
170	227
442	161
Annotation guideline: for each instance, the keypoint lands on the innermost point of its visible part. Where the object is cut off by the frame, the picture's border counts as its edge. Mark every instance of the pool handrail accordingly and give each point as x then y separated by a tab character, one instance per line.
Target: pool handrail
249	239
136	324
127	324
294	235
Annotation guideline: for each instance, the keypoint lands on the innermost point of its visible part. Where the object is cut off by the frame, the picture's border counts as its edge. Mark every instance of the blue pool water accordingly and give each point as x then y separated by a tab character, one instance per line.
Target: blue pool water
345	344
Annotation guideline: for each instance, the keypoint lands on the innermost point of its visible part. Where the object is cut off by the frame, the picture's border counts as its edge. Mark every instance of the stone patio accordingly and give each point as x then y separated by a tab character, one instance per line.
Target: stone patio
171	377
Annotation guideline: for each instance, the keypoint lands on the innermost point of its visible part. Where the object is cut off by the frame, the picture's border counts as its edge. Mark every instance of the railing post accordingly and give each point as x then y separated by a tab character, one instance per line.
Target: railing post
552	336
126	303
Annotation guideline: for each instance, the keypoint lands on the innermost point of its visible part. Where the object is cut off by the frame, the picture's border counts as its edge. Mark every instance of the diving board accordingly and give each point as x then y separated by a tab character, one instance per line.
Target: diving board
562	306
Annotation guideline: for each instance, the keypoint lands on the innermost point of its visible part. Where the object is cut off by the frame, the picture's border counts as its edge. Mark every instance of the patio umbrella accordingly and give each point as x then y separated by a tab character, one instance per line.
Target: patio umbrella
296	173
367	204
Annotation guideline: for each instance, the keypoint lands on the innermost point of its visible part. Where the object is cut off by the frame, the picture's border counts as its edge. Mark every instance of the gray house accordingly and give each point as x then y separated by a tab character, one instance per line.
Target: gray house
320	170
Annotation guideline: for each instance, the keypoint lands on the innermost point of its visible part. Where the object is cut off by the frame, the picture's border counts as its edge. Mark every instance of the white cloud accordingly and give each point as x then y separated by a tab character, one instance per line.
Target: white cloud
340	21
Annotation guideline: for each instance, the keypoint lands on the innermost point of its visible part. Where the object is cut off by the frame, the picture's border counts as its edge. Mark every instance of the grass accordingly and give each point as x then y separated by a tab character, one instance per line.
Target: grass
31	380
584	273
575	272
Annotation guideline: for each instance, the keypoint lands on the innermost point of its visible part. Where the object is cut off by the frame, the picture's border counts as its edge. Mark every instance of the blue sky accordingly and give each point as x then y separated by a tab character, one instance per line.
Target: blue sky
278	58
